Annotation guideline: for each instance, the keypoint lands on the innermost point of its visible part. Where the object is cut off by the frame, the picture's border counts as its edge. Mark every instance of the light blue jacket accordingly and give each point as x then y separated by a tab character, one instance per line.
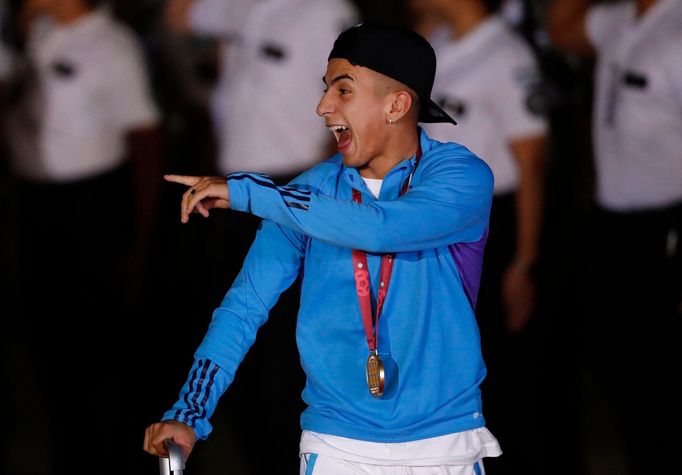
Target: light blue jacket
428	338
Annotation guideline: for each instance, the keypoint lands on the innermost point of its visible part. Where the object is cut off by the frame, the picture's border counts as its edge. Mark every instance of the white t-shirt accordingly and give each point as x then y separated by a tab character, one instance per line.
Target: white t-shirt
90	89
374	185
637	120
270	124
461	448
224	21
486	81
220	18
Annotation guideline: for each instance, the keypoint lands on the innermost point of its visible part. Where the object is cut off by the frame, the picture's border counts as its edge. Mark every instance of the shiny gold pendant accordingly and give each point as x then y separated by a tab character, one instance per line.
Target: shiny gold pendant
375	374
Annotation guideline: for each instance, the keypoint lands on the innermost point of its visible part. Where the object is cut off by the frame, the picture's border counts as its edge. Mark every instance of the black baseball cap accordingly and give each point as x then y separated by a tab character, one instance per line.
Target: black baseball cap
396	52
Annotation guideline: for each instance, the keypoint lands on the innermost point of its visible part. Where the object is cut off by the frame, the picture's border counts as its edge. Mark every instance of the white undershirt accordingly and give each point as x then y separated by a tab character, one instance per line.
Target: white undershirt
374	185
457	449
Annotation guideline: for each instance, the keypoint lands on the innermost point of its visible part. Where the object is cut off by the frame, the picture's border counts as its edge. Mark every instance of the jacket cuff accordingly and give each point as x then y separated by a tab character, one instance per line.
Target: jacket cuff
238	192
202	428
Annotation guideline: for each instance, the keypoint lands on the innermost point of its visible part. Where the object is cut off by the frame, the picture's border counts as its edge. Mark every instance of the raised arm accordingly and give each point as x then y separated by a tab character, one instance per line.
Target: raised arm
448	203
271	266
567	26
451	203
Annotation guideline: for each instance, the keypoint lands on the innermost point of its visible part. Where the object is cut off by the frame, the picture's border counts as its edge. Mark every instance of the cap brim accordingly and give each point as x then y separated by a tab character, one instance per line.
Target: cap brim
432	113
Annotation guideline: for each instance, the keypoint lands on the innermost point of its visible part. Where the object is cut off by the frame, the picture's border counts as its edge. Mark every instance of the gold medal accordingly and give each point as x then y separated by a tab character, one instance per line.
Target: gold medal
375	367
375	374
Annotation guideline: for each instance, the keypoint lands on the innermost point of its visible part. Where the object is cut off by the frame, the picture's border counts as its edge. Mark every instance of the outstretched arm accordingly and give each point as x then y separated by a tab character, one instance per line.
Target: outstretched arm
451	203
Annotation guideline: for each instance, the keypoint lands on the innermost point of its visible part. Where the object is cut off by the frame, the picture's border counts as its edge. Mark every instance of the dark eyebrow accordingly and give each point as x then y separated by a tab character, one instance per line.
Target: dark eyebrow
338	78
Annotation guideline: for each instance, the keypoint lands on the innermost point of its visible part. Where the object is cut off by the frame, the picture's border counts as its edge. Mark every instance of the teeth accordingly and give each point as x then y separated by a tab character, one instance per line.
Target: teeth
337	128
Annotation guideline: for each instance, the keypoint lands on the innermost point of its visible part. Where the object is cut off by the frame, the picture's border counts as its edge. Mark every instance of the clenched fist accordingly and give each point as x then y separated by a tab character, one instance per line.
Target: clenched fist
182	434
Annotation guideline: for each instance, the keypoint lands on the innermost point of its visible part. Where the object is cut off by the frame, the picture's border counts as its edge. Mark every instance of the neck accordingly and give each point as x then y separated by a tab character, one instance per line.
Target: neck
402	144
70	11
643	6
464	16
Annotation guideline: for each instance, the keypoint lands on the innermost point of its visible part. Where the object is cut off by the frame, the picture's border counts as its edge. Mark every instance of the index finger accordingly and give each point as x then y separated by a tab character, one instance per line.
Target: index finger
183	179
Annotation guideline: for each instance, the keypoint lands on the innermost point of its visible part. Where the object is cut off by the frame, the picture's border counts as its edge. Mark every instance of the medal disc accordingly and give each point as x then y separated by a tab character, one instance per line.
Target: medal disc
375	375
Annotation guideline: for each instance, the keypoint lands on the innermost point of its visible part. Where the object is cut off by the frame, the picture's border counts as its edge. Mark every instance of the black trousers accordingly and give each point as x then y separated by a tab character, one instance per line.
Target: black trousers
69	241
633	330
529	394
507	391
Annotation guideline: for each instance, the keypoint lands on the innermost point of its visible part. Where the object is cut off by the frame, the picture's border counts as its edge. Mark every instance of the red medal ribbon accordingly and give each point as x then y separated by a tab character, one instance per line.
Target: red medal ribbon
361	272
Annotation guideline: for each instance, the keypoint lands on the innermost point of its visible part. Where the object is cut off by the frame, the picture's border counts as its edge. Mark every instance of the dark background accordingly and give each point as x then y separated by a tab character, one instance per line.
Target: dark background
256	424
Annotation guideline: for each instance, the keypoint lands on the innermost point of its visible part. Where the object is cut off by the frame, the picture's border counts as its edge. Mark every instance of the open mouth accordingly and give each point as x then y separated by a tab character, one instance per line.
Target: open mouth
343	136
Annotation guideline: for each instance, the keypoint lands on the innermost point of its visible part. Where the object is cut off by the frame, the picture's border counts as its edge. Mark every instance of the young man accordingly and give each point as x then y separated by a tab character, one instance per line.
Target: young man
389	235
632	251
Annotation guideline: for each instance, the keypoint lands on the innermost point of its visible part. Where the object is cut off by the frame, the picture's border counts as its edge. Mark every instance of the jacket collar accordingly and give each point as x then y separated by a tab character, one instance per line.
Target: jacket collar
394	179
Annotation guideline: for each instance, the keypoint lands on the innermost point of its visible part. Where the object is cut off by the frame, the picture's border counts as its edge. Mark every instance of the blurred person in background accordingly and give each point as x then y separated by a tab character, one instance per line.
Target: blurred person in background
273	53
631	250
488	79
6	60
221	21
269	77
84	157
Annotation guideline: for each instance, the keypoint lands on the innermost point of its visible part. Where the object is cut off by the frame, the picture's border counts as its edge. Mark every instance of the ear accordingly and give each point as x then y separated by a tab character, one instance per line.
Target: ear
399	107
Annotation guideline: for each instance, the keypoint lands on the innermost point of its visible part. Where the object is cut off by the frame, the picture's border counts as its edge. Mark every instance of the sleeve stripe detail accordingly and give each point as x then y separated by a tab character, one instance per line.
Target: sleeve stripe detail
195	409
207	393
284	191
292	204
191	390
195	397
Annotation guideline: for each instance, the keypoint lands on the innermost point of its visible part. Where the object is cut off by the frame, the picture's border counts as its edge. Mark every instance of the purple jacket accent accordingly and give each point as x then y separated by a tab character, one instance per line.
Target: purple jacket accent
468	257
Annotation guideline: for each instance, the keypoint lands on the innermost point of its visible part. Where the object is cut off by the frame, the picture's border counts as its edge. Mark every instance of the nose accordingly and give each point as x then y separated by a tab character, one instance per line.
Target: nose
325	106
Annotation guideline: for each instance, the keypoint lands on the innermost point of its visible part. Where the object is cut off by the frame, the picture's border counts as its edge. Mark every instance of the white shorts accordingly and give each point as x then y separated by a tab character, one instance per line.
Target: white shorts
314	464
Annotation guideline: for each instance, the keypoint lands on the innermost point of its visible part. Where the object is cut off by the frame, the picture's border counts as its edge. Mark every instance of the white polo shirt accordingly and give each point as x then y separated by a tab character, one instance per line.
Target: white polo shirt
486	81
637	117
90	89
270	124
222	20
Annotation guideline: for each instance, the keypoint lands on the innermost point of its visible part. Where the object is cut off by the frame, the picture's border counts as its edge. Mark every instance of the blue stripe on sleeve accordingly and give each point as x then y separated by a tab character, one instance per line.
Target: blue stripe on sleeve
202	412
195	408
199	396
186	395
288	191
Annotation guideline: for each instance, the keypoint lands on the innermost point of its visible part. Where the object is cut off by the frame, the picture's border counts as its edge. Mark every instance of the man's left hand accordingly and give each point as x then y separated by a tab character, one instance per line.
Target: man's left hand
204	194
